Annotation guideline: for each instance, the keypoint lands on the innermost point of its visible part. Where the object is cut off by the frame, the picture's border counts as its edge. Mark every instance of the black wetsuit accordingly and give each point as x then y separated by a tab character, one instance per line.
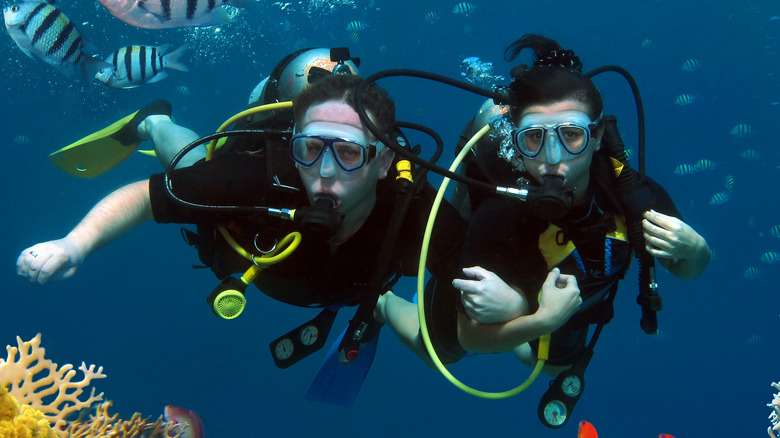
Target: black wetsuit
521	249
314	275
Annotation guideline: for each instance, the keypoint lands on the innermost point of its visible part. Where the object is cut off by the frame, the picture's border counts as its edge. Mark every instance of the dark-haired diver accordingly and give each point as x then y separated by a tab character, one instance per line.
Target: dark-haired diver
329	174
552	265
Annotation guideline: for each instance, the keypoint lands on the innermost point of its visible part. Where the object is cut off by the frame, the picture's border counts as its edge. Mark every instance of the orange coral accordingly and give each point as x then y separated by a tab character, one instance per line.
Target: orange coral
101	424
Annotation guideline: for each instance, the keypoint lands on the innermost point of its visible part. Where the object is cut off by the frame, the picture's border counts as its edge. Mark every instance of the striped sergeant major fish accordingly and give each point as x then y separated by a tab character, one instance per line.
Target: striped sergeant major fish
464	8
356	26
138	65
720	198
160	14
685	99
743	130
42	31
770	257
691	64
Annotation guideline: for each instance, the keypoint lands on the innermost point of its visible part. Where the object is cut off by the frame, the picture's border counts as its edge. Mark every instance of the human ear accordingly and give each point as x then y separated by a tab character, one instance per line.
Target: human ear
385	162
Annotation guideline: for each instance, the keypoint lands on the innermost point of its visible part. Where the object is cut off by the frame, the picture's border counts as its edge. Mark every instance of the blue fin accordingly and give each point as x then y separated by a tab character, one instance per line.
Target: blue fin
339	383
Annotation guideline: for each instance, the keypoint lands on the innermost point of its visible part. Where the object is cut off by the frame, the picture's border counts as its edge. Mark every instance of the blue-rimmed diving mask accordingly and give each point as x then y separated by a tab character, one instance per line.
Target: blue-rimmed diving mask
351	154
563	135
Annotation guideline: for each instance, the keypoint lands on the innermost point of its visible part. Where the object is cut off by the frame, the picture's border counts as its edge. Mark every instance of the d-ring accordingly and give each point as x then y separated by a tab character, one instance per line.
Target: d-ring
32	253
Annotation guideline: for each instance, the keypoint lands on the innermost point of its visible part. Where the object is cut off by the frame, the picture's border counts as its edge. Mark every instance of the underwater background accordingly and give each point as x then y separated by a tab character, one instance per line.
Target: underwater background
138	308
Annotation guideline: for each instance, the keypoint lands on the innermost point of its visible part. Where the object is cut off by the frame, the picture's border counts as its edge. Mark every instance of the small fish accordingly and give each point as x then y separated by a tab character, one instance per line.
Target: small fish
730	182
139	65
750	154
356	26
752	273
42	31
705	164
183	90
586	430
684	99
161	14
384	50
774	18
464	8
770	257
685	169
630	153
190	420
720	198
647	43
753	340
743	130
354	37
431	17
775	231
665	435
22	139
691	64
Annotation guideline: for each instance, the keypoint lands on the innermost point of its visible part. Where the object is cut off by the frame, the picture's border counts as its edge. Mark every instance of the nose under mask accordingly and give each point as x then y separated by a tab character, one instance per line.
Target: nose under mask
327	165
553	150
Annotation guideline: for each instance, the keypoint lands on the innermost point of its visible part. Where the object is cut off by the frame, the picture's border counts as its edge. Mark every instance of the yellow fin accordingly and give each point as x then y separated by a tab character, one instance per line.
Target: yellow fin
96	153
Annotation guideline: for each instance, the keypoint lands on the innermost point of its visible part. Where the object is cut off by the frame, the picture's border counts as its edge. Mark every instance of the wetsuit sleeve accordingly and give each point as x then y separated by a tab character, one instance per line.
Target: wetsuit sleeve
498	241
662	202
225	181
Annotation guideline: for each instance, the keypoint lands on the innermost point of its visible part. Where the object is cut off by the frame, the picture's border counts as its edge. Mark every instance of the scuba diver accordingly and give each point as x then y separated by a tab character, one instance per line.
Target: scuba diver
315	208
550	263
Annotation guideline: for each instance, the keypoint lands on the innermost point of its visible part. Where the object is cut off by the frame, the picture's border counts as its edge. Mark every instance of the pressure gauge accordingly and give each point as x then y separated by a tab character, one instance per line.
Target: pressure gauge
555	413
571	385
309	334
284	349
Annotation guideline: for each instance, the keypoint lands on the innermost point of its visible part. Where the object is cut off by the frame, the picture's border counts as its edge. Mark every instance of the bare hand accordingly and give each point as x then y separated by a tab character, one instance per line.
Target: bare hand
668	237
488	299
559	298
53	260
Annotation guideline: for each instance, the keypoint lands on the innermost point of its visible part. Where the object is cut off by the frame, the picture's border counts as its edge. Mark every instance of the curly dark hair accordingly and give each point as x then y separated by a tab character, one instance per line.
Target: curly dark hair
556	75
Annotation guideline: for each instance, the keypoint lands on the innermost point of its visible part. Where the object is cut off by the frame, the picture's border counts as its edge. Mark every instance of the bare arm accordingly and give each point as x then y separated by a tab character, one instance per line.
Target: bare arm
112	217
558	301
678	247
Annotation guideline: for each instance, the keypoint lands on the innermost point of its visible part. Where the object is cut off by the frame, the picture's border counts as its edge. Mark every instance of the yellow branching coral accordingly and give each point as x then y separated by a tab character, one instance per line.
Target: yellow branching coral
21	421
30	386
42	397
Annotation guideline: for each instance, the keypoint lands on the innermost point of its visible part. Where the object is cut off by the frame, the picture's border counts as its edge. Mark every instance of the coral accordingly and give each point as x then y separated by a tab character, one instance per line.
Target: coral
774	417
20	374
21	422
102	424
42	398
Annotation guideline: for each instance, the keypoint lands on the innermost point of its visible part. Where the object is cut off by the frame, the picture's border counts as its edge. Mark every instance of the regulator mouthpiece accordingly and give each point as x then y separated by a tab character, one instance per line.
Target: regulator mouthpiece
320	218
550	201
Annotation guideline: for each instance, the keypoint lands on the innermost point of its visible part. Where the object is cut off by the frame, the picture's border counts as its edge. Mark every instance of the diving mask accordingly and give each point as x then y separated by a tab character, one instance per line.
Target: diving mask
563	135
349	149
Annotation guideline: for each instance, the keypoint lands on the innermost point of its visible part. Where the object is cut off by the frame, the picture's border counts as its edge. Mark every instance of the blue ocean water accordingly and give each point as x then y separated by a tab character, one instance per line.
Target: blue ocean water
137	307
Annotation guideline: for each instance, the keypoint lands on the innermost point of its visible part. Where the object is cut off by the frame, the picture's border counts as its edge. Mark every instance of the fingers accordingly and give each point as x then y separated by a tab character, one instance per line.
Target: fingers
566	280
477	272
41	263
658	244
552	278
662	220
